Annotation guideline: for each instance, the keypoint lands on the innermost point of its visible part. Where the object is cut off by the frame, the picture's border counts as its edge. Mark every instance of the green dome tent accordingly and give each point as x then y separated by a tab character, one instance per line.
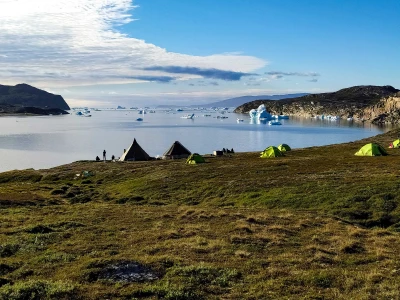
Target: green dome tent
371	150
395	144
271	151
195	158
284	147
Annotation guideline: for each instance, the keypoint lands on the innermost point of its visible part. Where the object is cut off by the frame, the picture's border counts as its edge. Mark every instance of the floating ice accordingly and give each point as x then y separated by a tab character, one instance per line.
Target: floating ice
260	114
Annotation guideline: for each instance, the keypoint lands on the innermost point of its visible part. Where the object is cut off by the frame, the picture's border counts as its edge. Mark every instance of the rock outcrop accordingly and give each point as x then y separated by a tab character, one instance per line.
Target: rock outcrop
24	95
378	104
387	110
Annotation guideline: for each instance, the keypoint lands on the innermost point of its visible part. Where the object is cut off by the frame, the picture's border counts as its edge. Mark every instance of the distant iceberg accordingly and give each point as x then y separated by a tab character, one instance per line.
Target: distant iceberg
260	113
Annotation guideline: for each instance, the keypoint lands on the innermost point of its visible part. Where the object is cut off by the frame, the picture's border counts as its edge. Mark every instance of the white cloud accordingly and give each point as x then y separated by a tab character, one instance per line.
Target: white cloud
77	42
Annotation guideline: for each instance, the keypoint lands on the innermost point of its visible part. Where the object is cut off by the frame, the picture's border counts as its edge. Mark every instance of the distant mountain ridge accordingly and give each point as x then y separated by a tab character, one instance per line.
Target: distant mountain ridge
378	104
24	95
234	102
237	101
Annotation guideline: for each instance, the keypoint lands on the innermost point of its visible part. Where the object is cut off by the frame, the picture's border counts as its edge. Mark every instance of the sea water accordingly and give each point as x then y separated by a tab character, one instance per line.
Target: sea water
48	141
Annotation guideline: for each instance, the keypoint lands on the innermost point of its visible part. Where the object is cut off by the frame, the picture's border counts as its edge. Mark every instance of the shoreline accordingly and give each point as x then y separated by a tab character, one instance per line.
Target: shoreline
378	137
32	157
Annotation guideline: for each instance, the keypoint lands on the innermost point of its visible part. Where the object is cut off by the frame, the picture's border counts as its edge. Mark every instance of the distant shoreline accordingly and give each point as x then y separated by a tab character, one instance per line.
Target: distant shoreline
31	111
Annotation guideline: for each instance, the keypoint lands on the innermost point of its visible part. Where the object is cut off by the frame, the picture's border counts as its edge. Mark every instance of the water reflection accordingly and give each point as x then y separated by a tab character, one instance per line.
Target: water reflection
257	121
42	142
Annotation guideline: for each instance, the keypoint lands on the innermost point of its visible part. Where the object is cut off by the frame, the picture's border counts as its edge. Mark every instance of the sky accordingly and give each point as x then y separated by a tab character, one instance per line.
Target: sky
104	53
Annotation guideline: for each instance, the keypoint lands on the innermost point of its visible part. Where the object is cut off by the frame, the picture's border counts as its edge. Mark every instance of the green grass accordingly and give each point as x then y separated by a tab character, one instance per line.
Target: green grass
319	223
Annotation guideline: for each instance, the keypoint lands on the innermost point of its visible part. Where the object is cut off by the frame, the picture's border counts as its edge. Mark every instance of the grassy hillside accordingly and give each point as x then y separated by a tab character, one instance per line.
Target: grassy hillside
318	223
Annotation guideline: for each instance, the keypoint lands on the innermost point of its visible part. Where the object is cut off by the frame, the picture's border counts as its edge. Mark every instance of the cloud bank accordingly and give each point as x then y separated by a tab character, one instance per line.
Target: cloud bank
206	73
80	42
280	74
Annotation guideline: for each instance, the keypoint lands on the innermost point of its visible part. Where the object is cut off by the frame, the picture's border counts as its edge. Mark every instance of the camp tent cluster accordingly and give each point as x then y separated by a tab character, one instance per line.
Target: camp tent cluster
273	151
177	150
371	149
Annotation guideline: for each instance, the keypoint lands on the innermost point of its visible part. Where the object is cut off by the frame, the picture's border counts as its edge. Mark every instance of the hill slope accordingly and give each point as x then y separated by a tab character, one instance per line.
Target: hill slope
359	101
29	96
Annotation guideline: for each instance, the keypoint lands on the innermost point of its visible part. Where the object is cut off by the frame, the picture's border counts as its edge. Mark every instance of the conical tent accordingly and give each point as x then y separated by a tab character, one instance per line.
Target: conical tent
271	151
177	150
195	158
395	144
371	150
284	147
134	153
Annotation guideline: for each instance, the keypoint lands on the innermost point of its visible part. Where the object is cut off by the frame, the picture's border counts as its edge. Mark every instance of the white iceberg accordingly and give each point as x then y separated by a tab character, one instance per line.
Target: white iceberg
260	114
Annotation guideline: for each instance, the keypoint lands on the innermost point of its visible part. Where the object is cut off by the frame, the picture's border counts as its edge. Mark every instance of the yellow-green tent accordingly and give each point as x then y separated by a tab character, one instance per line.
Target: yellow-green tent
284	147
271	151
395	144
371	150
195	158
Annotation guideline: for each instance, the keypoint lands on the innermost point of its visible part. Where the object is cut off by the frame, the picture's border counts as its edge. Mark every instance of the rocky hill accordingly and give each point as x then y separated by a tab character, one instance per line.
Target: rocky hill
24	95
377	104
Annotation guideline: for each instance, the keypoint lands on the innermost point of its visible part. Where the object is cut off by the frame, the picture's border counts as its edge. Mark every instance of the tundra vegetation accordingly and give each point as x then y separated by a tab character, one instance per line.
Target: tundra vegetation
318	223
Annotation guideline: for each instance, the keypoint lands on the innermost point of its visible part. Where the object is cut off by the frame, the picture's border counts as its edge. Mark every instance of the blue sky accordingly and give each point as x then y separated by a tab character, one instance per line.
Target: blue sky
148	52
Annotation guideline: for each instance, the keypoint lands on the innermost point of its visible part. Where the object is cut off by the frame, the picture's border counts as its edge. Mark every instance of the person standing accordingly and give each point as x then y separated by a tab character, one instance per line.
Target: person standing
104	155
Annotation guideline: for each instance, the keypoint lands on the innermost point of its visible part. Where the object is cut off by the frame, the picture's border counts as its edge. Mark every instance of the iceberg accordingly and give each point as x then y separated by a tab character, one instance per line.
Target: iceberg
260	113
253	113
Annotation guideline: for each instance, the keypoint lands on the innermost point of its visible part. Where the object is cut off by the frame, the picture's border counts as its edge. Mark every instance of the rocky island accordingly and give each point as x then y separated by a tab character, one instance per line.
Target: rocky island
377	104
28	100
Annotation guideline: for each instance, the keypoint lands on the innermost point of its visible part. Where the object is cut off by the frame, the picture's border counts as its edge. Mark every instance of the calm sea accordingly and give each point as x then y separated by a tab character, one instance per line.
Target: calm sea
48	141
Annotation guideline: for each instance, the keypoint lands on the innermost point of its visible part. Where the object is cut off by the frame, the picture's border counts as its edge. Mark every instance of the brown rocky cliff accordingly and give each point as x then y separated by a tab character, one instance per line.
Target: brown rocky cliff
387	110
